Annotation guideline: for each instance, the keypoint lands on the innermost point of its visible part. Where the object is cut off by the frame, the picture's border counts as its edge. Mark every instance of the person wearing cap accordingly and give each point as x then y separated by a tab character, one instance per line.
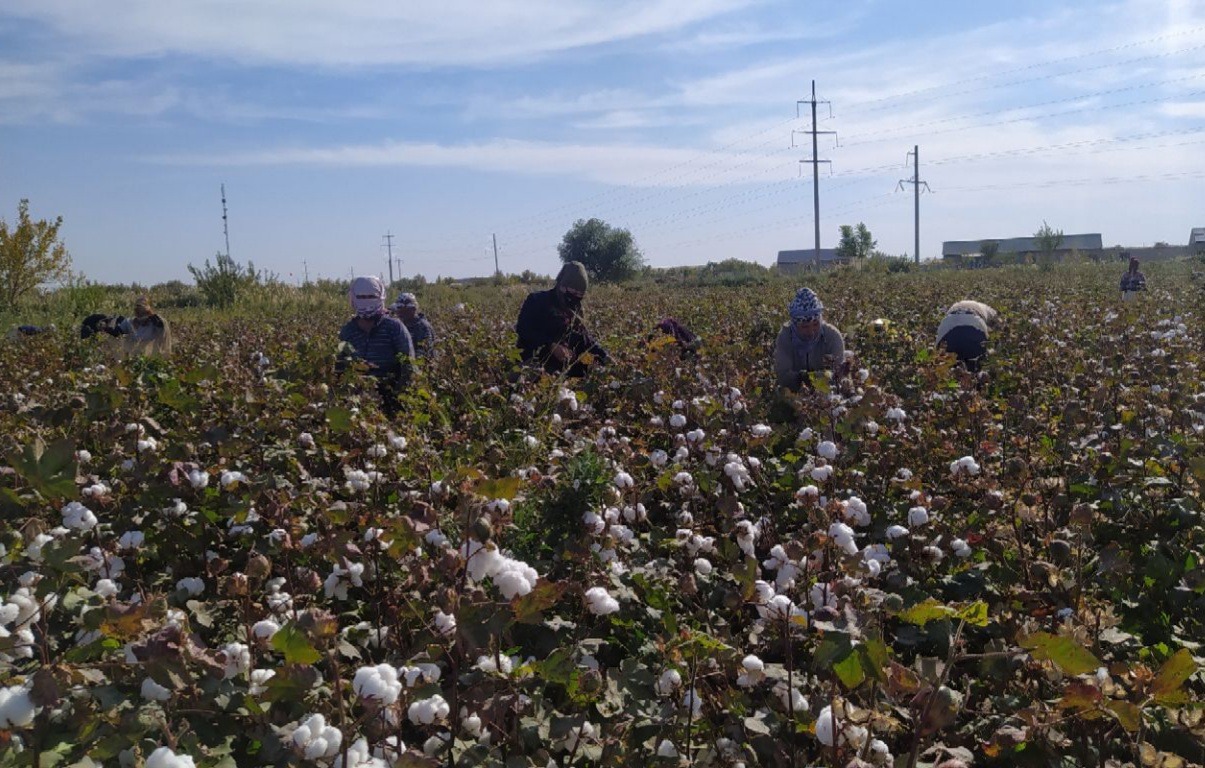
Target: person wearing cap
1132	281
146	333
380	341
964	331
422	335
806	343
551	326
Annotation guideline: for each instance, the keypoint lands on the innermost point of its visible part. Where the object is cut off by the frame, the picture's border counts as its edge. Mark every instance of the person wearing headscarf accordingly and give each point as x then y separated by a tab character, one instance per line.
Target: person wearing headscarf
1132	281
552	329
146	333
806	343
98	323
421	333
381	342
964	331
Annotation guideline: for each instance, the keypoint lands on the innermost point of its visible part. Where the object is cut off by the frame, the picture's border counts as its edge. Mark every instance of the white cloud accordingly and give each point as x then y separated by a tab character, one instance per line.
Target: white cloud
422	33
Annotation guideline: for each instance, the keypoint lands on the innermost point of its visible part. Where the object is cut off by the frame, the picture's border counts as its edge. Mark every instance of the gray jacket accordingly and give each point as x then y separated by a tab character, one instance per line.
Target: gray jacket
790	364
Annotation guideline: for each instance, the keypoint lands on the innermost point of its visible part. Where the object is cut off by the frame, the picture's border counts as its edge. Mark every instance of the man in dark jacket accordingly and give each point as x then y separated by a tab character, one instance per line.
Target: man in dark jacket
382	342
1132	281
421	332
551	327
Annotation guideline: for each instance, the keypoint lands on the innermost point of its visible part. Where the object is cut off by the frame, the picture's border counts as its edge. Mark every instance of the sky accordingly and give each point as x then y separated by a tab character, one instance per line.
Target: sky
445	124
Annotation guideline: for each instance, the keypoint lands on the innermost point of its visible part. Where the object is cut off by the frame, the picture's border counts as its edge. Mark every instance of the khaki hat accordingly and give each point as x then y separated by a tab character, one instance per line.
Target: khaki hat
573	276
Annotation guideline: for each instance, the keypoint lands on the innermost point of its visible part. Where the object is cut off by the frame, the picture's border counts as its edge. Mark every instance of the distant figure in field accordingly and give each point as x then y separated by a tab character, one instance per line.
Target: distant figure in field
688	343
552	328
29	330
147	333
806	343
964	331
98	323
377	339
422	335
1132	281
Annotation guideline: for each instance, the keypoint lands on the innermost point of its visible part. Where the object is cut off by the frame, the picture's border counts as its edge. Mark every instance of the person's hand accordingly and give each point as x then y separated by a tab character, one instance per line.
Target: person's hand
561	353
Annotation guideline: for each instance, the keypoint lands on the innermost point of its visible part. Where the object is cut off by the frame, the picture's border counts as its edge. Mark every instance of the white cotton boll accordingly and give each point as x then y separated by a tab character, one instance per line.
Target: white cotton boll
152	691
877	553
17	709
131	540
753	671
873	567
703	566
855	511
777	607
379	683
198	479
359	756
77	517
600	602
670	681
192	585
933	553
82	456
791	699
806	435
147	444
822	596
683	478
695	435
843	536
501	664
623	480
917	516
445	624
96	491
106	588
428	711
761	430
762	592
316	739
960	548
666	749
238	659
896	414
658	458
165	757
306	440
692	702
827	449
265	629
230	480
821	474
966	465
824	727
896	531
677	421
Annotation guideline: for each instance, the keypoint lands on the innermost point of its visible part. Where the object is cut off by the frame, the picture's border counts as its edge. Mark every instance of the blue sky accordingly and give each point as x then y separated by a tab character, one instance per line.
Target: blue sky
445	123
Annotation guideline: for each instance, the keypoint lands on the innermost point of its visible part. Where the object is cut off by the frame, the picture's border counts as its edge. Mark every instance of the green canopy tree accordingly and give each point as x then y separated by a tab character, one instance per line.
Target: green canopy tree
608	253
30	254
856	242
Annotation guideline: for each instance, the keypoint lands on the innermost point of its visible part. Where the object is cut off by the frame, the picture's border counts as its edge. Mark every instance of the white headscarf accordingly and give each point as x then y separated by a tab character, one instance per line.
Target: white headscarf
367	296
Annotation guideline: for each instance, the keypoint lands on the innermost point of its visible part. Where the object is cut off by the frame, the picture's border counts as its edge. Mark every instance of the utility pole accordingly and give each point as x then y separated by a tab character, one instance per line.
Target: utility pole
225	223
497	272
916	185
306	269
815	161
389	245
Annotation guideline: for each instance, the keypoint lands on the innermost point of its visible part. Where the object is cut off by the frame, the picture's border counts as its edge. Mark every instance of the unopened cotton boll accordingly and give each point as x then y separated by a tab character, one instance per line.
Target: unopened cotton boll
600	602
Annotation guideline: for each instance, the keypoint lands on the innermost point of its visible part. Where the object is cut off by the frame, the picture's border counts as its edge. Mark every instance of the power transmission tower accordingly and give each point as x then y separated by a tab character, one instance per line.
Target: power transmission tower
815	161
916	185
225	223
389	245
497	272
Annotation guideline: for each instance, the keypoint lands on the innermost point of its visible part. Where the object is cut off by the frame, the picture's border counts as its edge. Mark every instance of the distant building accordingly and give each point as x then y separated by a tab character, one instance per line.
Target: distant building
1196	241
969	250
791	262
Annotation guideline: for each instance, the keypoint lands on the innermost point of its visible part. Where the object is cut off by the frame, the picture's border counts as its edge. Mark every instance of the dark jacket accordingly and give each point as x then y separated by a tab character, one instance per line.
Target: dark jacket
386	347
790	363
1133	281
543	323
422	335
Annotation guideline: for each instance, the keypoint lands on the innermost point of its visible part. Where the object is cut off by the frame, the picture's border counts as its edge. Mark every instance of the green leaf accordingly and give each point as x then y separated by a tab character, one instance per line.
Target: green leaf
50	470
295	646
1173	673
1069	655
850	671
875	659
923	613
1129	715
502	488
530	607
339	419
974	614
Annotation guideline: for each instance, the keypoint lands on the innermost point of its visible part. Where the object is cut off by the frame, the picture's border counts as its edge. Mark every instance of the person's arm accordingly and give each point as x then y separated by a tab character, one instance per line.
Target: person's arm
784	363
837	350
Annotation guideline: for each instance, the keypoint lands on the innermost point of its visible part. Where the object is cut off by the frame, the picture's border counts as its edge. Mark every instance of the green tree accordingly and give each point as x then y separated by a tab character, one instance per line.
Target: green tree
608	253
856	242
989	249
30	254
222	283
1048	240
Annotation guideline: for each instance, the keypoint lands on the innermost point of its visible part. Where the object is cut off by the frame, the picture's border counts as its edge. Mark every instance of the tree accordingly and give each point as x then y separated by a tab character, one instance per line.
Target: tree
30	254
608	253
222	284
856	242
989	249
1048	240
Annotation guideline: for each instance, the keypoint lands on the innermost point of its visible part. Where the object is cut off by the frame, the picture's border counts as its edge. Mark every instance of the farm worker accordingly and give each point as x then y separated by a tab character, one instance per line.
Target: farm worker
422	335
146	333
687	342
377	339
98	323
806	343
1132	281
552	329
964	330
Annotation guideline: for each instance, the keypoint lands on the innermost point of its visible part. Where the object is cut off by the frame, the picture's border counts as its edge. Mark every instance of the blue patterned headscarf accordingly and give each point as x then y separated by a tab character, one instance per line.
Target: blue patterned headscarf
806	305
